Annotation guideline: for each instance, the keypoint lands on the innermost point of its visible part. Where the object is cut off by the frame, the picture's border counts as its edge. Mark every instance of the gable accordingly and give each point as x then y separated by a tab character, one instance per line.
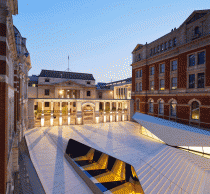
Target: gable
138	46
195	17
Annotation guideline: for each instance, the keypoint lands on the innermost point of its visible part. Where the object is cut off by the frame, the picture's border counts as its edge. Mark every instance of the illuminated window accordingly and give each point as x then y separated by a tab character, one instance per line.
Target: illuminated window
195	111
152	85
174	83
173	108
33	85
162	84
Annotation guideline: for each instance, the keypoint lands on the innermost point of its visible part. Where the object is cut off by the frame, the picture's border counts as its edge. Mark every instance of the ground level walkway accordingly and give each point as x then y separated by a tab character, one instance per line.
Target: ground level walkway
159	167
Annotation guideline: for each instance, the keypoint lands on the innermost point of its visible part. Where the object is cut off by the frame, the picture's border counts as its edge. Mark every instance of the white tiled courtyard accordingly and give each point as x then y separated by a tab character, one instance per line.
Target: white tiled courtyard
160	168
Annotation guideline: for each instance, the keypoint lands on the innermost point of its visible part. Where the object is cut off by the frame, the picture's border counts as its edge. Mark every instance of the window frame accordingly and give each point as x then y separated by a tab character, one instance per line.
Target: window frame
172	65
162	64
152	70
161	102
46	103
161	85
47	93
151	106
203	80
189	81
173	87
152	85
191	110
171	107
89	93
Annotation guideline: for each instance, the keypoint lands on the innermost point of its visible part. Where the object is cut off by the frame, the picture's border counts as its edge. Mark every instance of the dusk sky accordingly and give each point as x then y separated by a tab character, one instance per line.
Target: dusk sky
98	36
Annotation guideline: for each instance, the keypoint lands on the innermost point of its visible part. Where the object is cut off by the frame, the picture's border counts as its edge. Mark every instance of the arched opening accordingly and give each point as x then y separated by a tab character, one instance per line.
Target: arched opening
101	106
161	107
137	105
173	105
195	113
151	106
88	116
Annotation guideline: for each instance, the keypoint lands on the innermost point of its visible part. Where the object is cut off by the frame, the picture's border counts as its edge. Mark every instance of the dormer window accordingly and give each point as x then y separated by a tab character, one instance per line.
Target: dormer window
151	52
197	30
88	83
175	41
139	56
47	80
166	45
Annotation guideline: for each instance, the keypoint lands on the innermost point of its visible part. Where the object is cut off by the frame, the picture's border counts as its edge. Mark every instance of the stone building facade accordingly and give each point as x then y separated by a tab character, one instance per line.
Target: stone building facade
15	64
120	89
171	75
64	98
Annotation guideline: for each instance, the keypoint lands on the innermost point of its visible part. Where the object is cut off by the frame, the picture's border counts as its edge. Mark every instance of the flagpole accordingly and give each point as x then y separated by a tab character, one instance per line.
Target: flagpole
68	63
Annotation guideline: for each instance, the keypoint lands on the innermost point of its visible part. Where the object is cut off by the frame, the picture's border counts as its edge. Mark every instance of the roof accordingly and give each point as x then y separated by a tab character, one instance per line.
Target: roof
173	133
66	75
33	78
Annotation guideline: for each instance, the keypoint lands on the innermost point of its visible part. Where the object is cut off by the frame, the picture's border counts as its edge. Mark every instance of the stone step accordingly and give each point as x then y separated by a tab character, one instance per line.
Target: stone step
166	172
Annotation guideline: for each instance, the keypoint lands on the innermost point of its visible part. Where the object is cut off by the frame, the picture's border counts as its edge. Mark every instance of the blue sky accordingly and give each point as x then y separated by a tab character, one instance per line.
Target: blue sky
98	36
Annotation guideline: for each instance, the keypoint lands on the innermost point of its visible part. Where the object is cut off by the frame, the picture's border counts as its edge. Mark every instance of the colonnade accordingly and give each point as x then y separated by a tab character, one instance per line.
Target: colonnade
101	108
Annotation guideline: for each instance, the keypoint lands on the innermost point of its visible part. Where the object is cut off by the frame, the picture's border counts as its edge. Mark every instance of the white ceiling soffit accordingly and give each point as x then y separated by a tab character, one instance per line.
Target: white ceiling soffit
172	133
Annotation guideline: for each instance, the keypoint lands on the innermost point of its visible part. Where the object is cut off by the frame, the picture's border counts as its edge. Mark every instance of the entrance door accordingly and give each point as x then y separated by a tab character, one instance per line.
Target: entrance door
88	114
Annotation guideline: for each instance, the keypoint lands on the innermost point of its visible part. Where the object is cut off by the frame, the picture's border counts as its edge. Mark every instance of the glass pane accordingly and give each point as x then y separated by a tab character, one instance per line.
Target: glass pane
201	58
200	80
192	81
191	60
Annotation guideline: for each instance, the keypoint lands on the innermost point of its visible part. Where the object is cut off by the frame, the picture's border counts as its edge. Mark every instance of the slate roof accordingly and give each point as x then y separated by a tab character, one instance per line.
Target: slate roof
66	75
33	79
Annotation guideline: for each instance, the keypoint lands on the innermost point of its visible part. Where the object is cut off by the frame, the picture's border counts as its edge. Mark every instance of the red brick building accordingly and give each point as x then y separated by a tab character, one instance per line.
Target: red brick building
171	75
14	66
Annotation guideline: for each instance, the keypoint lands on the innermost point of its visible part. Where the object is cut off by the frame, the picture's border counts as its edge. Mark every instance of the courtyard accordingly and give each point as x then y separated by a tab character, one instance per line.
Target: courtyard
159	167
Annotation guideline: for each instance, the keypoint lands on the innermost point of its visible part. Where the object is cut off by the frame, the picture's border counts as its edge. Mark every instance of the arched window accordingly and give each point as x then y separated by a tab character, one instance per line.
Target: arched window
173	108
137	105
161	107
151	102
195	110
197	30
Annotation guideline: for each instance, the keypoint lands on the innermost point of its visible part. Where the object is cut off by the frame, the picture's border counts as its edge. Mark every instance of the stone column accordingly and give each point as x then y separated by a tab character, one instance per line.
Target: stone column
81	94
104	112
69	118
31	116
123	113
97	112
42	117
117	112
60	118
110	112
51	118
79	113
